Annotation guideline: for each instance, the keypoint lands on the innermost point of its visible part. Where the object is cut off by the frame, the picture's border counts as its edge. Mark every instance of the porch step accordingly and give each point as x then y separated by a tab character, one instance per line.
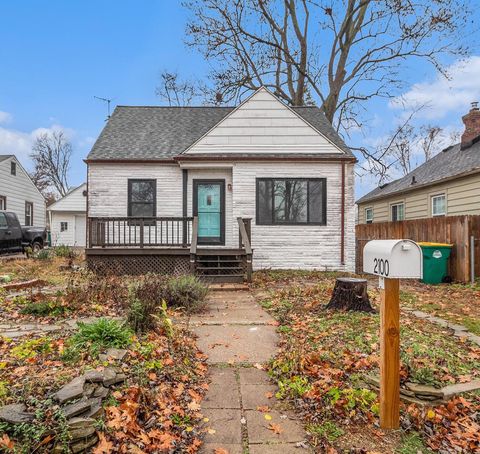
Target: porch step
221	252
223	278
215	268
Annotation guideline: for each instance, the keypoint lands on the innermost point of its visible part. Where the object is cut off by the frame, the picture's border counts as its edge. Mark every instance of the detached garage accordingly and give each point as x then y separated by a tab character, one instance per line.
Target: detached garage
68	218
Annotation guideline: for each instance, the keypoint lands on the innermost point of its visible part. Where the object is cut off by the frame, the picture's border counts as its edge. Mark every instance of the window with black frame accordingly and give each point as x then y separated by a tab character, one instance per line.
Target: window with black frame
291	201
142	198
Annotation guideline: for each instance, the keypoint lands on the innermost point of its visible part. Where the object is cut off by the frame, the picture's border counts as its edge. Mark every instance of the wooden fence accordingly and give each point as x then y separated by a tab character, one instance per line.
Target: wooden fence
456	230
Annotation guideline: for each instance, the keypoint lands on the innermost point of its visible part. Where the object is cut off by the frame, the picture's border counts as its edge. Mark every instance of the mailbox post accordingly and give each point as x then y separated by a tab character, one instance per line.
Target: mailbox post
391	260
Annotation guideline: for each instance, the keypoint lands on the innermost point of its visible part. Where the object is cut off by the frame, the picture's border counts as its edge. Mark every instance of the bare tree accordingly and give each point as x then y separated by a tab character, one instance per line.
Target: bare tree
337	54
51	156
430	136
176	92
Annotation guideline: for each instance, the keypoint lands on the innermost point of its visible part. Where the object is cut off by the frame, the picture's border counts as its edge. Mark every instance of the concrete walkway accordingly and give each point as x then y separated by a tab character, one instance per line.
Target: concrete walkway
243	414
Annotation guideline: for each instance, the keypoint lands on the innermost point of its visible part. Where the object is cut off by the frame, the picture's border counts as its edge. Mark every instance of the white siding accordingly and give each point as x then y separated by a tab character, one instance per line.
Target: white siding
19	189
73	201
108	187
263	125
307	247
68	237
276	246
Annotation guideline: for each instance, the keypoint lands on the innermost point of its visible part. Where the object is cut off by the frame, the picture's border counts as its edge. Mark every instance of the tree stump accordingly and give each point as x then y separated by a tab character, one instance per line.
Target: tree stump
350	294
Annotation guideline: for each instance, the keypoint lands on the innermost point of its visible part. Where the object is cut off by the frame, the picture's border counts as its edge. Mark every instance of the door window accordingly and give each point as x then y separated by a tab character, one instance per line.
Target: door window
3	221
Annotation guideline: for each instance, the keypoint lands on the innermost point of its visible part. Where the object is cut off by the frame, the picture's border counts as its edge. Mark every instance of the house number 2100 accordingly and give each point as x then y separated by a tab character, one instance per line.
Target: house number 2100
381	267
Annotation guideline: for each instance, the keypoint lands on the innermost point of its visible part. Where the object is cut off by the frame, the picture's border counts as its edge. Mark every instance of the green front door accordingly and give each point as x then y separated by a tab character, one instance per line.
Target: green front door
209	207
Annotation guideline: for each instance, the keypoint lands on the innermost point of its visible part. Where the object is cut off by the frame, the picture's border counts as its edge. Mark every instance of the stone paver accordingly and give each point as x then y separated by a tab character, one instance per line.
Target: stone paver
258	431
223	391
236	343
211	448
256	395
224	426
236	334
253	376
275	448
15	330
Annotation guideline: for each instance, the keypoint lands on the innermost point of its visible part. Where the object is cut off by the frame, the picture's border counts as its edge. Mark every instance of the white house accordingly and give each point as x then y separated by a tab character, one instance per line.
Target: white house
68	218
281	172
18	193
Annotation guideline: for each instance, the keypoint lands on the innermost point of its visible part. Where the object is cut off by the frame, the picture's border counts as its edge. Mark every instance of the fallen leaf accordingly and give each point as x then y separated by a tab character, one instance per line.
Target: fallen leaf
104	446
267	417
220	451
275	428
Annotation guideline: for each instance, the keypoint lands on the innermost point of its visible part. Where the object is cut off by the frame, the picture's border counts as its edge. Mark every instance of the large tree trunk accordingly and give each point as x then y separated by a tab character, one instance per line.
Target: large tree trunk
350	294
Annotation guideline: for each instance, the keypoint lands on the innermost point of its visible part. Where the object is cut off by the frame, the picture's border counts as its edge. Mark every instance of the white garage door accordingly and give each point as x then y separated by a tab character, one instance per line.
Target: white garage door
80	230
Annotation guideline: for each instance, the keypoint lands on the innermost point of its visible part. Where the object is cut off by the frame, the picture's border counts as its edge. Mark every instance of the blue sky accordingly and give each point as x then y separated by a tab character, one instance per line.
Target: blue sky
56	55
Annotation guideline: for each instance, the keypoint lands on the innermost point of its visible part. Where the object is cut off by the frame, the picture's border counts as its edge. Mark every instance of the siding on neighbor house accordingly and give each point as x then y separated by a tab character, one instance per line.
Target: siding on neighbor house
462	197
263	125
68	237
73	201
19	189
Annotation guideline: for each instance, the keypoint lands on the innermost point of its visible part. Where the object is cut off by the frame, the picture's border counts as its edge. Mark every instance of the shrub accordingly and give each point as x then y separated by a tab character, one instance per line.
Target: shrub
65	251
31	348
144	300
44	308
100	335
42	254
186	292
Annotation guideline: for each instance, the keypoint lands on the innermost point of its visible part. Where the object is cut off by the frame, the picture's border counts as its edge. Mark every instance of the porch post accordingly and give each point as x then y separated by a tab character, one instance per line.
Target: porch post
184	205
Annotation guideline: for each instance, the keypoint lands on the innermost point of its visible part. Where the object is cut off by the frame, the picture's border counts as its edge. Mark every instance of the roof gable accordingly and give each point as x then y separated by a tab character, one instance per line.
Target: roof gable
73	201
156	133
263	124
21	172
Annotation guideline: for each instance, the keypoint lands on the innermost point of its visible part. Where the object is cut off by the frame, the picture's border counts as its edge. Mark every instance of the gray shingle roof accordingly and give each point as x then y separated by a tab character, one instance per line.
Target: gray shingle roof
165	132
449	163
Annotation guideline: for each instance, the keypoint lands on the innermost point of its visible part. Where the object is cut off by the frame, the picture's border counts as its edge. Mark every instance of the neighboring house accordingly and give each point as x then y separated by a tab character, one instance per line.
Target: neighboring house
262	173
18	193
68	218
446	185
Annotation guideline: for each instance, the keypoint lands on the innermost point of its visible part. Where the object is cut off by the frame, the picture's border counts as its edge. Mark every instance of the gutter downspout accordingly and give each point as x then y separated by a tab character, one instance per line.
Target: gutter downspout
342	239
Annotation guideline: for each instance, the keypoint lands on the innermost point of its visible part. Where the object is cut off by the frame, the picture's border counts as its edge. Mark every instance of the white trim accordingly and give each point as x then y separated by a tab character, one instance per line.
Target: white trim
436	196
366	217
262	88
402	203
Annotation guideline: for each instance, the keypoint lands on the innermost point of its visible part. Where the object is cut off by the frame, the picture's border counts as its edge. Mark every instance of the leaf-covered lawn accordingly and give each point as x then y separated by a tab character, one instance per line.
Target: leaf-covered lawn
325	357
457	303
156	409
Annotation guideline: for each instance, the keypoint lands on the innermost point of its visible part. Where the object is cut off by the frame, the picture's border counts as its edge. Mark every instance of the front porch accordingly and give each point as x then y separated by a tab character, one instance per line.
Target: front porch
165	245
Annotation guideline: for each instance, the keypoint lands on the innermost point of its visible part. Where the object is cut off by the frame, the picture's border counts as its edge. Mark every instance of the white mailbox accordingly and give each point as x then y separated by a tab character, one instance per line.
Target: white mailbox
395	259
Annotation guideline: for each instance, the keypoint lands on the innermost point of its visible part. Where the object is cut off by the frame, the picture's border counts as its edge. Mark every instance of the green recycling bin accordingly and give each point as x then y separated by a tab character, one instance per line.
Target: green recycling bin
435	261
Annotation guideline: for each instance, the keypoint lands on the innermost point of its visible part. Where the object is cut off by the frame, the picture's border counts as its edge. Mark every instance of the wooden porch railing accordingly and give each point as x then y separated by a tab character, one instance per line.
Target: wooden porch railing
139	232
245	238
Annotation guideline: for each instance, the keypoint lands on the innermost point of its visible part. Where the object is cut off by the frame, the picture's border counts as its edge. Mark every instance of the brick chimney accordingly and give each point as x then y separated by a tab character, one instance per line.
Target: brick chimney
472	126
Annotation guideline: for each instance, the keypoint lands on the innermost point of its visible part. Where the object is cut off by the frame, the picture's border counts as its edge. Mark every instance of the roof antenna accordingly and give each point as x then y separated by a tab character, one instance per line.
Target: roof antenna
106	100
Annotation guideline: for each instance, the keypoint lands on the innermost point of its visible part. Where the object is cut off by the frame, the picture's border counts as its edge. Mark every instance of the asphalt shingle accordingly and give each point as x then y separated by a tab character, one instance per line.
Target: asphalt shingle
451	162
164	132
